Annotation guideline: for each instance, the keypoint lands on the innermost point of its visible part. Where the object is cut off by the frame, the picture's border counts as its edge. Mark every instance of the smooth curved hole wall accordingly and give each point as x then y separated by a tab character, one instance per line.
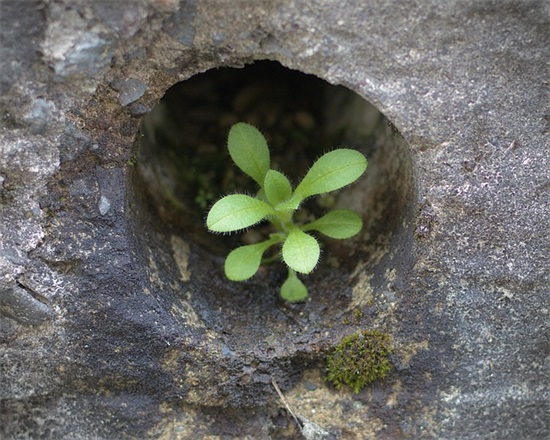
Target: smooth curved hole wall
183	167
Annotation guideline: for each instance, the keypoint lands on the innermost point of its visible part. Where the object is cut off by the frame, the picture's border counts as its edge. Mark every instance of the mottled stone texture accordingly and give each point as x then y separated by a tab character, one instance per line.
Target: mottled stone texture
116	325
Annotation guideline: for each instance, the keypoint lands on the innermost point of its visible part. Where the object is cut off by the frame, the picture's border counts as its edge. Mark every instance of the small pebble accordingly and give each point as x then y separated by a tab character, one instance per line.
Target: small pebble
310	386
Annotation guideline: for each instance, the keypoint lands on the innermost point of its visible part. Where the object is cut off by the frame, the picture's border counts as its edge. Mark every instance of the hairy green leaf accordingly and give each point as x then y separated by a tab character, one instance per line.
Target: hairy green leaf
340	223
243	262
332	171
277	187
248	149
293	290
236	211
291	204
301	251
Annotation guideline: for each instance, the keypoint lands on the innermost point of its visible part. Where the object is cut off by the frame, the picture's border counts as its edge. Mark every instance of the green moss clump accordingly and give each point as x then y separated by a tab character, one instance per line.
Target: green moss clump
360	359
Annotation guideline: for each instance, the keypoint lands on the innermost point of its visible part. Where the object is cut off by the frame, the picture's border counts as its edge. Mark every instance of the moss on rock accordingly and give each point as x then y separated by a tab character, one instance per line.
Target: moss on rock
360	359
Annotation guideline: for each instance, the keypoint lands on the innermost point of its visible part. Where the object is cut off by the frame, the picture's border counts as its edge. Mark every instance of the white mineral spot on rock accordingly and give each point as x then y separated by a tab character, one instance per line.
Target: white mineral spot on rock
104	205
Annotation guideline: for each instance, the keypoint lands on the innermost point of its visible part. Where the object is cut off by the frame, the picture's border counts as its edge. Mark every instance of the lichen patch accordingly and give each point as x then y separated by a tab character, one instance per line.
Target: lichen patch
181	252
362	292
185	310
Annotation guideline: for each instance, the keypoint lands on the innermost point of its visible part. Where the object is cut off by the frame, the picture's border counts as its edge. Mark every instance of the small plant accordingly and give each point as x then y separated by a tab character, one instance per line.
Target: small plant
277	202
360	359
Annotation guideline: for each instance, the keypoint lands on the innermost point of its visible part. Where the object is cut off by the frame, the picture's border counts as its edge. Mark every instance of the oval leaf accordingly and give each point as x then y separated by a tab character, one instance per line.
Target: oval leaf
277	187
340	223
293	290
243	262
332	171
301	251
291	204
248	149
237	211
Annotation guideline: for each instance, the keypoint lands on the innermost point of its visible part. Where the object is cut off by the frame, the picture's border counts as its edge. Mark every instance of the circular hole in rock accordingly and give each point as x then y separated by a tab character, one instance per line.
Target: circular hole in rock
183	166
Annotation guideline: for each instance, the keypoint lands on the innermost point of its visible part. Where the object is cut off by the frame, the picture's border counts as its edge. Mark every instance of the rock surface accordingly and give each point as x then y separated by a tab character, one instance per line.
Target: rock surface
116	325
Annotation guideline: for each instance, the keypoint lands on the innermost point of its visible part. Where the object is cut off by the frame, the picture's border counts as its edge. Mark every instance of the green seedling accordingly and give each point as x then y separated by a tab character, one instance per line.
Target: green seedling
276	202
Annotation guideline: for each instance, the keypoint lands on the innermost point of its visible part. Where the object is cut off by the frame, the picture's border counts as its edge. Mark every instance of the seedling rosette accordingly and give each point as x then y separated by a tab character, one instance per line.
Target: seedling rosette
276	202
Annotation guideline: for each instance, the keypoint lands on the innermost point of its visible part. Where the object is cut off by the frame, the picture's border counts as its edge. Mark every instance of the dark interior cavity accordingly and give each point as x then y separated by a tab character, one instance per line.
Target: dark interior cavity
183	167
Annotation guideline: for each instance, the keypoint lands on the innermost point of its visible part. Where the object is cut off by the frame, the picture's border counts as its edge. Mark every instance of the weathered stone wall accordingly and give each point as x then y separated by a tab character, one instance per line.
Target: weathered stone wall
115	325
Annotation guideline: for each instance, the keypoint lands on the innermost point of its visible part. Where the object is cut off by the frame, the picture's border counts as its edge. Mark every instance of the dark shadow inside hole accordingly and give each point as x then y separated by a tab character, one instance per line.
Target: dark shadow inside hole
183	166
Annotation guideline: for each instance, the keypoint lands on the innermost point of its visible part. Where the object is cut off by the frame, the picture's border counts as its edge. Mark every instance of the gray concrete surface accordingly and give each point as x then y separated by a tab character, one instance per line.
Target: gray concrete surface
131	330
